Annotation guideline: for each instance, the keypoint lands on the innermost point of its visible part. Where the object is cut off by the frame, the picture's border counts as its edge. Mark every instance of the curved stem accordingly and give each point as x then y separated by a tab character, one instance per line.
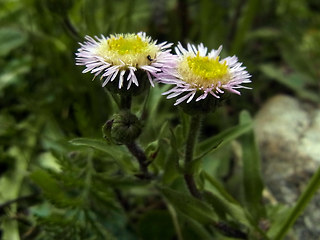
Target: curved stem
71	28
191	141
133	147
142	159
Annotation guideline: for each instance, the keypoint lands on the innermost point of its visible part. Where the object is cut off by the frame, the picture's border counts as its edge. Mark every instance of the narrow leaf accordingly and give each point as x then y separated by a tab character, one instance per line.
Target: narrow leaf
190	206
252	180
245	23
215	142
171	169
112	150
219	188
232	206
297	210
291	81
225	207
10	39
52	190
175	220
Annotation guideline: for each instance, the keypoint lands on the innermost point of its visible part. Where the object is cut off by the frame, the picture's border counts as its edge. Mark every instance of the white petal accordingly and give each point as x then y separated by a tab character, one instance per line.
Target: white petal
121	78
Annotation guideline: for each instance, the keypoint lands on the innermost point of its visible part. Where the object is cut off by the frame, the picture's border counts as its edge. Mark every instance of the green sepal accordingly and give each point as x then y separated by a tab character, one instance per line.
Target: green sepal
134	90
204	106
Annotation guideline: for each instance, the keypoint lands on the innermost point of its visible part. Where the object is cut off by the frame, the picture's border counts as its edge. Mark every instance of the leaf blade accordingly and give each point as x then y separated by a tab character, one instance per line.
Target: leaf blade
190	206
252	180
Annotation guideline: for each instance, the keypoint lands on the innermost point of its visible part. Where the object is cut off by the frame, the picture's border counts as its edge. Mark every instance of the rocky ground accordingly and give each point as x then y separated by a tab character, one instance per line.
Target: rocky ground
288	134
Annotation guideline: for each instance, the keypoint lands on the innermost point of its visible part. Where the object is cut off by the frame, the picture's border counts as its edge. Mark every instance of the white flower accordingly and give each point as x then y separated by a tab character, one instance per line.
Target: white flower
122	55
197	72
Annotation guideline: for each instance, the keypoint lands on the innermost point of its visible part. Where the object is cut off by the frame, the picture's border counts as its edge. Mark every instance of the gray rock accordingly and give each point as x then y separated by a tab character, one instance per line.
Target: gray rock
288	134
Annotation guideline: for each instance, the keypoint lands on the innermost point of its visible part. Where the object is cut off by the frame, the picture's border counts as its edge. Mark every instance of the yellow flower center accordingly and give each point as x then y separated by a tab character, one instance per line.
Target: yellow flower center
127	45
130	49
203	71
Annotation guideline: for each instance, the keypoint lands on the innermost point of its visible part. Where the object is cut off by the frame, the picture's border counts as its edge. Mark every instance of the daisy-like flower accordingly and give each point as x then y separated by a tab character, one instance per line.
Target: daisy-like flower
200	74
122	55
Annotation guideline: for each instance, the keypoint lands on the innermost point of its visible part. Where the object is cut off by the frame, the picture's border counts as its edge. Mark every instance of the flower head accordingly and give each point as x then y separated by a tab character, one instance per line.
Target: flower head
198	74
122	55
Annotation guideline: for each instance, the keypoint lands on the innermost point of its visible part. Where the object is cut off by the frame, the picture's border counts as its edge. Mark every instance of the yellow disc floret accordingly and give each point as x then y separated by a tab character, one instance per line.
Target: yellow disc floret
203	71
129	49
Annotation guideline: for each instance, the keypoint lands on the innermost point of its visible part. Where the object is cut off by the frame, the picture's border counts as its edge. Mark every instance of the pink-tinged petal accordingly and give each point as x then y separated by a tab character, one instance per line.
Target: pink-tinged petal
180	100
114	75
150	79
182	77
106	81
90	55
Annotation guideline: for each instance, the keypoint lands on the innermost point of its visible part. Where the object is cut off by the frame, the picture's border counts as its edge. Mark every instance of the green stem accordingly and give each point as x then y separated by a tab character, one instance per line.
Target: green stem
303	201
191	141
31	197
188	176
71	29
142	159
125	102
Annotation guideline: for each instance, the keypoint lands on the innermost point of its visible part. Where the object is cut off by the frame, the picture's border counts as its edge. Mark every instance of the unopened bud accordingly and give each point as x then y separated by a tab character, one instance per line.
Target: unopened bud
124	128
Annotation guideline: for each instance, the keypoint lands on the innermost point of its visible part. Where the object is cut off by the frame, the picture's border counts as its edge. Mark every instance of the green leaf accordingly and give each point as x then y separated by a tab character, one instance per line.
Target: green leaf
7	124
175	220
231	206
119	181
155	98
14	71
156	225
10	39
215	142
117	153
295	82
223	207
190	206
194	230
224	199
264	33
252	180
277	215
194	165
220	189
244	25
52	190
113	151
305	198
171	169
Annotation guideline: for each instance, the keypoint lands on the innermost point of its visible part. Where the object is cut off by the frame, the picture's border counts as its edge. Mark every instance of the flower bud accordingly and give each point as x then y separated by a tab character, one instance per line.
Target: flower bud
124	128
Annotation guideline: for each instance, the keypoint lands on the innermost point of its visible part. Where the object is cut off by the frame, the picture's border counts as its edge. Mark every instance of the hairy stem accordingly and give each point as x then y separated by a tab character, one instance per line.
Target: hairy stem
142	159
191	141
125	103
189	179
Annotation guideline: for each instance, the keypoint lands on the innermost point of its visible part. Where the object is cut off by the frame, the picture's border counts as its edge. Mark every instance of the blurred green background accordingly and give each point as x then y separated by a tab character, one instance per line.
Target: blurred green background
44	97
278	41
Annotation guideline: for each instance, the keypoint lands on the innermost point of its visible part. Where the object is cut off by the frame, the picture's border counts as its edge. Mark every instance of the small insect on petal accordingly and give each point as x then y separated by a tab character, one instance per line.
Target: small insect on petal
119	55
